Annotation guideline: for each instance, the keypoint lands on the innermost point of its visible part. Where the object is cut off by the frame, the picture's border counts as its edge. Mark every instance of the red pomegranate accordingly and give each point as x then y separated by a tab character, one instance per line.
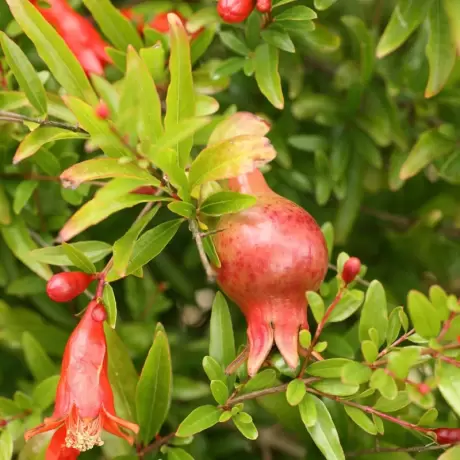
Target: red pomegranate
271	254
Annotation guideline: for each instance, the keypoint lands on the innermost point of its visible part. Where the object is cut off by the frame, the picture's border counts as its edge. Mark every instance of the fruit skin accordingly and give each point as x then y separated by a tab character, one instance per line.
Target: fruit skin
270	254
65	286
447	435
234	11
264	6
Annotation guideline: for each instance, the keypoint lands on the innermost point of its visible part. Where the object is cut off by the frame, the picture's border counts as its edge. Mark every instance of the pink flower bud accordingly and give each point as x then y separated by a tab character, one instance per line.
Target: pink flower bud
351	269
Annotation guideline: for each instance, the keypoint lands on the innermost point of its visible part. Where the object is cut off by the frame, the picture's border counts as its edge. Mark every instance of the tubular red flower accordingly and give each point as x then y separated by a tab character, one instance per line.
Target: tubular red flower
79	34
84	399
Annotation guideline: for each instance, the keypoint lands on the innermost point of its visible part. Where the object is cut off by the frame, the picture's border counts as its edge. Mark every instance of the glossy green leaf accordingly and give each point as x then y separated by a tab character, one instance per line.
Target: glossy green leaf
316	304
324	432
266	62
321	5
219	391
405	18
374	313
307	409
182	208
39	363
361	419
114	25
296	13
17	238
234	43
295	392
34	141
23	193
178	454
53	50
213	369
153	394
180	100
110	304
425	318
247	429
25	74
369	350
56	255
226	202
328	368
278	37
384	383
336	387
347	306
392	405
78	258
198	420
355	373
262	380
230	158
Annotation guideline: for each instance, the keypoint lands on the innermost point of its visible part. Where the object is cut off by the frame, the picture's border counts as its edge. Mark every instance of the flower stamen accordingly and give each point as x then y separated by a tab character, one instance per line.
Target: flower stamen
83	433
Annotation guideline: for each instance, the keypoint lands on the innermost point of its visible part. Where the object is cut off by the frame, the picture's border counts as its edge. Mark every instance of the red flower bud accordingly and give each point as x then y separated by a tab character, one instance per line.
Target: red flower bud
65	286
84	399
423	388
102	110
447	435
234	11
351	269
264	6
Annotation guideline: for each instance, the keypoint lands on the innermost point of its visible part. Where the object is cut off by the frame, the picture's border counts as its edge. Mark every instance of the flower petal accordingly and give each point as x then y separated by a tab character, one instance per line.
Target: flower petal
112	423
48	425
260	336
57	449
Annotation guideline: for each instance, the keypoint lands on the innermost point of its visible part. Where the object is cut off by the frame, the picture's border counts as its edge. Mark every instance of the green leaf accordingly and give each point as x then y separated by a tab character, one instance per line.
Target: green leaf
307	409
34	141
153	393
347	306
266	62
369	350
231	41
213	369
119	30
336	387
201	43
79	259
450	454
151	243
178	454
56	255
278	37
53	50
406	17
324	433
305	338
316	304
262	380
322	5
296	13
449	385
6	445
123	247
182	208
180	100
25	74
45	392
393	405
23	193
5	212
361	419
355	373
328	368
295	392
37	360
17	238
425	318
226	202
247	429
228	67
219	391
110	303
221	340
384	383
122	375
453	12
101	132
198	420
102	168
374	313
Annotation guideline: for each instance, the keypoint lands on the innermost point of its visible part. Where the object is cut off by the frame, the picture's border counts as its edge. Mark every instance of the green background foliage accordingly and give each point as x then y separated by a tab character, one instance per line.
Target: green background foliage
363	101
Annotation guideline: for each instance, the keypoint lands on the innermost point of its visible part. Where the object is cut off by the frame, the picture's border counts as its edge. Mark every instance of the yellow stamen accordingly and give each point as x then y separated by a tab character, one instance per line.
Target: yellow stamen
83	434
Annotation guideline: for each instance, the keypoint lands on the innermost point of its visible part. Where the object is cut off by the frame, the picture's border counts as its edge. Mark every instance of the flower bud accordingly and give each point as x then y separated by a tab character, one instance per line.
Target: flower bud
65	286
102	110
234	11
423	388
351	269
447	435
264	6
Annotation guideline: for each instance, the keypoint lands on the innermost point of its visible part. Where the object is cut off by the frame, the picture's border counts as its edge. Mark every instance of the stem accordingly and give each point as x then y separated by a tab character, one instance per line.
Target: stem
19	118
397	449
446	325
357	279
210	273
236	363
156	445
396	343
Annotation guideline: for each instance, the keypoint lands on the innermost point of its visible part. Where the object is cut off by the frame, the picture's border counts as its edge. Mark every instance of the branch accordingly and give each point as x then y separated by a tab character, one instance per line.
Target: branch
19	118
397	449
210	273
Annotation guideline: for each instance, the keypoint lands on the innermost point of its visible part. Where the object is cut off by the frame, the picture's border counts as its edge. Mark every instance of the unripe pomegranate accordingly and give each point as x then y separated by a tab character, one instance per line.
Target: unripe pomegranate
234	11
65	286
270	254
351	269
447	435
264	6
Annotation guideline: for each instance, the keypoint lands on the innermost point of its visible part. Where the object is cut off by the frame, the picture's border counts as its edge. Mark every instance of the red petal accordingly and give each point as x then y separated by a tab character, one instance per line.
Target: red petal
112	423
260	336
48	425
57	450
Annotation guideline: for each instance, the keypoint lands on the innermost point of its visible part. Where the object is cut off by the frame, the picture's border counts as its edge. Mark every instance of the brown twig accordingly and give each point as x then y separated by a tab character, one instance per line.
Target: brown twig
397	342
156	444
210	273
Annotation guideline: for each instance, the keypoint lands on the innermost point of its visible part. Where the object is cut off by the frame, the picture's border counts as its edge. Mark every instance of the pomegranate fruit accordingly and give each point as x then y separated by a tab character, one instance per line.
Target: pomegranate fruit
234	11
271	254
65	286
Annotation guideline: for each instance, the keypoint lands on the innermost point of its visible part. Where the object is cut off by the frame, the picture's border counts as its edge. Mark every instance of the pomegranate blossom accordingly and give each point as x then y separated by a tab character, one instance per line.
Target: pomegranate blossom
271	254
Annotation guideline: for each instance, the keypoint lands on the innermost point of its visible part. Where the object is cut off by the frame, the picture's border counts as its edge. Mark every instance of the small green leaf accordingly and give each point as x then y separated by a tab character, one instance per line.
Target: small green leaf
226	202
384	383
305	338
213	369
228	67
438	298
316	304
295	392
424	316
231	41
22	195
361	419
110	304
266	62
328	368
182	208
178	454
369	350
45	392
307	409
321	5
449	385
25	74
56	255
400	362
260	381
296	13
393	405
34	141
324	432
79	259
153	393
374	312
219	391
247	429
347	306
37	360
180	100
336	387
198	420
278	37
355	373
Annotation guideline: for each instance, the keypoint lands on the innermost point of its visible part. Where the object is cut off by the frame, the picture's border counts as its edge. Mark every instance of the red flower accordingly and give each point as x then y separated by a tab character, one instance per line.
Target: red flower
84	399
160	23
79	34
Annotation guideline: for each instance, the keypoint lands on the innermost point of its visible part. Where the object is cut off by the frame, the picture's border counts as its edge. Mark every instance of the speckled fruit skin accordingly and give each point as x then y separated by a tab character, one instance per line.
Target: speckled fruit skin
270	254
65	286
234	11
